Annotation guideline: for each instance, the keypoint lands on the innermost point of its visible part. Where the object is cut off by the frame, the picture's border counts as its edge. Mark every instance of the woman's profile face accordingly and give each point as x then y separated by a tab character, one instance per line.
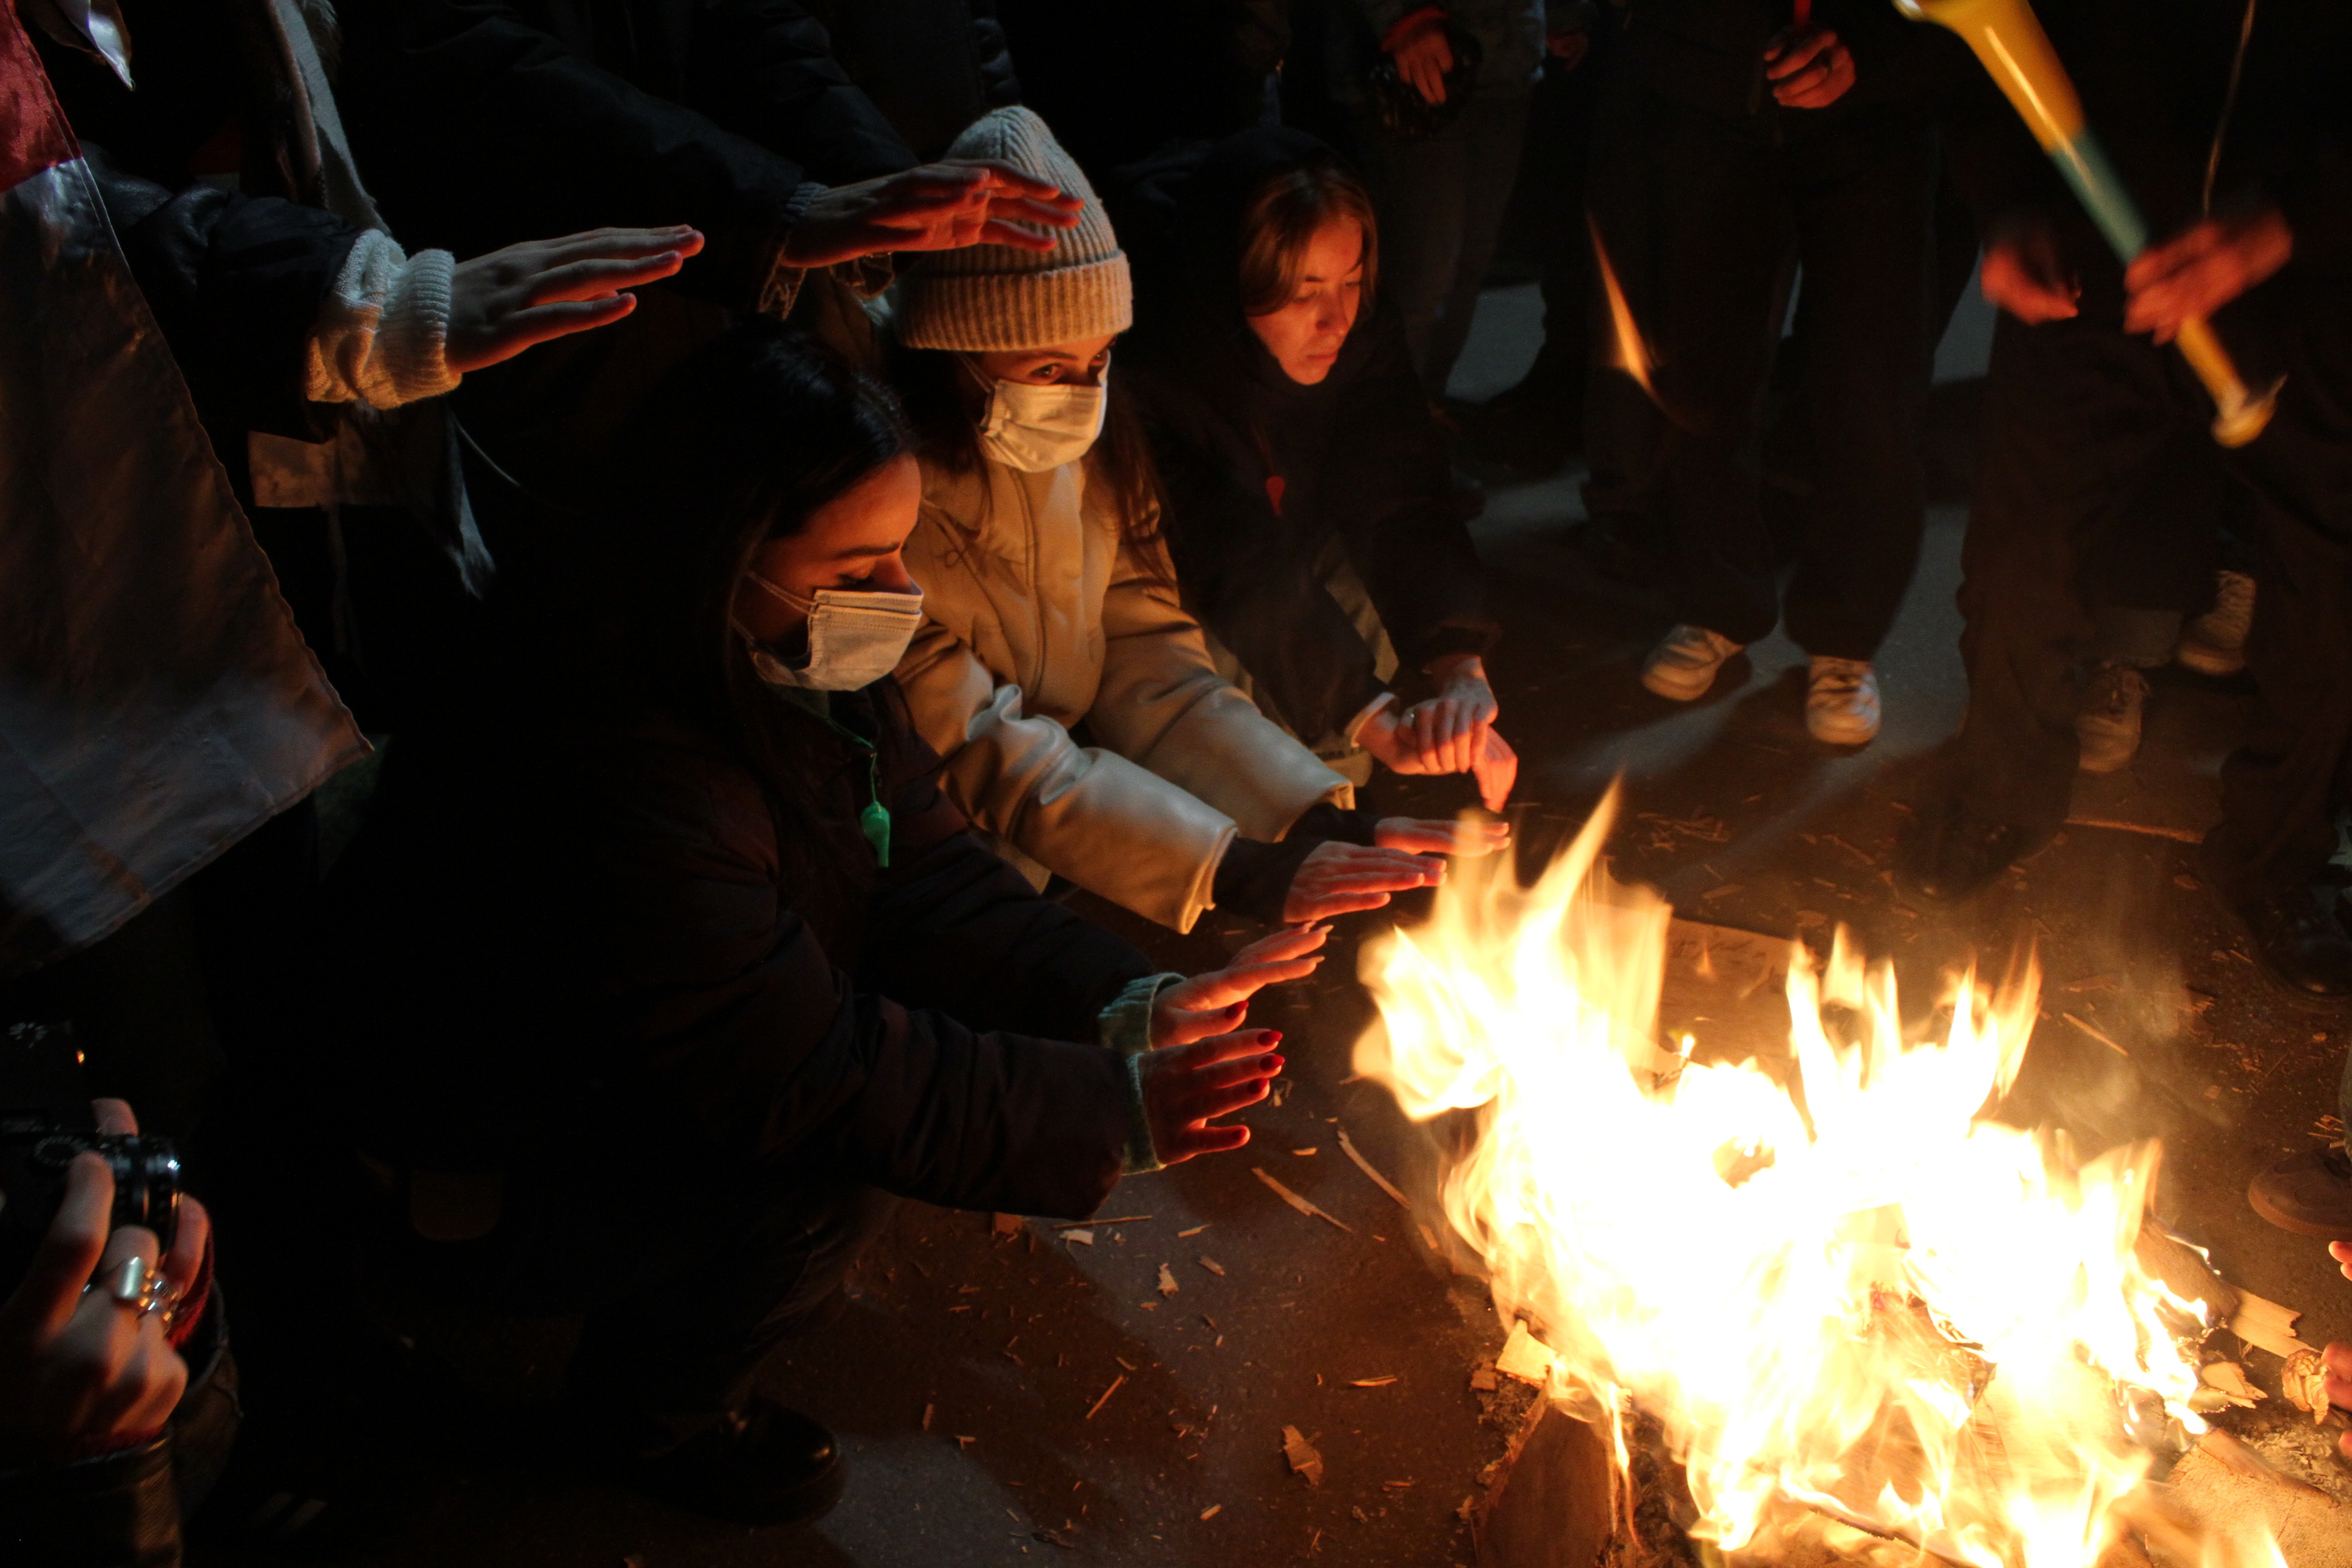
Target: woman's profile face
852	541
1304	334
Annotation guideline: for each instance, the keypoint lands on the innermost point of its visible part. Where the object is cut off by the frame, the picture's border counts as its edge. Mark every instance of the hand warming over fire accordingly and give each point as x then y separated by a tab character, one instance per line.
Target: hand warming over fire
938	206
2196	272
1216	1002
1345	879
1808	68
1452	732
1187	1086
506	301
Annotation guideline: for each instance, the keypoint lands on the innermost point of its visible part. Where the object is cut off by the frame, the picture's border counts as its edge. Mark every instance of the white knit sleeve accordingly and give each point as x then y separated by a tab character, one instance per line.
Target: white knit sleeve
382	333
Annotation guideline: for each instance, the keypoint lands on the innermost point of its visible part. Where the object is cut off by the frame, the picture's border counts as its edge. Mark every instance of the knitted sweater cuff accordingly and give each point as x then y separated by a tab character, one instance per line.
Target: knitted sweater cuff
1125	1030
382	333
412	345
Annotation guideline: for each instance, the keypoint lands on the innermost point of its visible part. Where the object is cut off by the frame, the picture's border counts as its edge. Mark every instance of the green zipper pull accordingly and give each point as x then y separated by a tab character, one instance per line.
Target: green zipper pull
875	820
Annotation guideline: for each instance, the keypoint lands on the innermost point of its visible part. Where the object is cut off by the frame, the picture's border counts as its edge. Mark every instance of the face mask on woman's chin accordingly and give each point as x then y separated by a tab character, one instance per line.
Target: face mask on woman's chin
1036	429
852	639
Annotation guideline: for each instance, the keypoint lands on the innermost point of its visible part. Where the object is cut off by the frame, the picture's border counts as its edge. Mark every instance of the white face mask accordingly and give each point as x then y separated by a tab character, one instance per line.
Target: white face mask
854	639
1036	427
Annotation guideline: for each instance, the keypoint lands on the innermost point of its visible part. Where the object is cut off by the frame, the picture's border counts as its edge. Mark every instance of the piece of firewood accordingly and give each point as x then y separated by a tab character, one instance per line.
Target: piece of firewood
1295	1201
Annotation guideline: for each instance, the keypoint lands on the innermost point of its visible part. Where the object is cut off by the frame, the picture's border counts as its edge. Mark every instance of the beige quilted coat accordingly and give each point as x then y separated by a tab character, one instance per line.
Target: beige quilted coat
1037	616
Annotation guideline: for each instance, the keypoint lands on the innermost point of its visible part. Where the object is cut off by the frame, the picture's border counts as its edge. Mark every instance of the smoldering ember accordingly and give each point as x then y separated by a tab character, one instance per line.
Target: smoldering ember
1484	783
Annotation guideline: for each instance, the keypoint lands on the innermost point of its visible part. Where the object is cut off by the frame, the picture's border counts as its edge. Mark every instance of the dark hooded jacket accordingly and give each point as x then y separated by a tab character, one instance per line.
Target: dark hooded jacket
584	932
1266	479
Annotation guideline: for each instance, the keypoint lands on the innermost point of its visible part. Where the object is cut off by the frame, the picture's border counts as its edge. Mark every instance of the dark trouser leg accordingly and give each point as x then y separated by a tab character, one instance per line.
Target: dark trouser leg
2278	791
1486	141
1865	212
2074	414
709	1270
1694	218
1418	189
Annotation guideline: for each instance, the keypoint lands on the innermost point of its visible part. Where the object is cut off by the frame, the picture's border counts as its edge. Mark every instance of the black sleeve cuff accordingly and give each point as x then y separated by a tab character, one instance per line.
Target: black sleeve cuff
1253	878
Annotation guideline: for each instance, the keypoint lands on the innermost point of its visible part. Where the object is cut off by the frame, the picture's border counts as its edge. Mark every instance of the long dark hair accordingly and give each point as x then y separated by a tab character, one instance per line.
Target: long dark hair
939	400
737	446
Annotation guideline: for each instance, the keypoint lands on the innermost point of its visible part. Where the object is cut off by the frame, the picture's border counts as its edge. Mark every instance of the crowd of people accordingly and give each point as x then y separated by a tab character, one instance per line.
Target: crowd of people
765	611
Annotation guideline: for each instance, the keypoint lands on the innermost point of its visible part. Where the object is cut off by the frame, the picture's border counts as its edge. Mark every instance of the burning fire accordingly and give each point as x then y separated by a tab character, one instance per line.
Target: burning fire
1839	1286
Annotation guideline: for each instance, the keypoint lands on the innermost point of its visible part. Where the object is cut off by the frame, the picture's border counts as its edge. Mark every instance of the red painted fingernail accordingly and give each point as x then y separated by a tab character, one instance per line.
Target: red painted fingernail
1271	1037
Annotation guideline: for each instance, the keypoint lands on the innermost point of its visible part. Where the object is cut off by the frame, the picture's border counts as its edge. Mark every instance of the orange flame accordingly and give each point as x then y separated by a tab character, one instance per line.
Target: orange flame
1632	355
1841	1289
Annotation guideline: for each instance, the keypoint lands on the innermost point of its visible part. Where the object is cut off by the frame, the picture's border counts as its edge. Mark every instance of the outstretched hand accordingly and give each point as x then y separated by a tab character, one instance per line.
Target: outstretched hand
510	299
938	206
81	1371
2198	272
1217	1002
1185	1088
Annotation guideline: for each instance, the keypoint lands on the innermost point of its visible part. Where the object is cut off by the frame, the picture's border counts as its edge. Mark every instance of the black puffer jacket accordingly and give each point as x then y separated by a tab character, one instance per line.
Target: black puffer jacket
1265	477
573	931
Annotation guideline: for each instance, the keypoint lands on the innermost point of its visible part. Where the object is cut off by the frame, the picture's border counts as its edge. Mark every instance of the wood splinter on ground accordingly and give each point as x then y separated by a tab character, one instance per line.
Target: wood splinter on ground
2227	1381
1347	1147
1295	1201
1167	1281
1106	1395
1304	1460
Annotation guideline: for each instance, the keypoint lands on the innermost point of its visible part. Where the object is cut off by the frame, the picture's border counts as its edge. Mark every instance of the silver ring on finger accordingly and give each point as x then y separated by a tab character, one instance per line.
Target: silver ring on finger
134	1283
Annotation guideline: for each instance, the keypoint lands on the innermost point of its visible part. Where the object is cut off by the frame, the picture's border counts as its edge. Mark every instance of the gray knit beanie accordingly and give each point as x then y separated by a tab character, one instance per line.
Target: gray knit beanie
994	297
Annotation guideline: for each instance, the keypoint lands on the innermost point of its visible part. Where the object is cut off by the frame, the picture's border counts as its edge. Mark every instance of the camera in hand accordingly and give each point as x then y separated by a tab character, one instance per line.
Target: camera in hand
45	1121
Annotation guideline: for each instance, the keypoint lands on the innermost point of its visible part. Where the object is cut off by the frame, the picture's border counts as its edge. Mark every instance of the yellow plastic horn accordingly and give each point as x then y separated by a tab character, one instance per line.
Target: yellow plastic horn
2008	37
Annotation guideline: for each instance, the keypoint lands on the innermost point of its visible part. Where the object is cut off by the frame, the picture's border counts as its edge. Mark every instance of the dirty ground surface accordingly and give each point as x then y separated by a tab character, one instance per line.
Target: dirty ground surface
1117	1393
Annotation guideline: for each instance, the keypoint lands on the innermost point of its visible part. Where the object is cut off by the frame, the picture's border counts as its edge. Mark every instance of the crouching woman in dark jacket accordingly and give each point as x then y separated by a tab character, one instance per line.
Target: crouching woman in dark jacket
1308	503
679	941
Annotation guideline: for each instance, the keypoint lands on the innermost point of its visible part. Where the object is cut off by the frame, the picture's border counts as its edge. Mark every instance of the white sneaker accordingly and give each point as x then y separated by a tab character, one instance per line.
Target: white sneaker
1682	667
2108	723
1842	701
2215	642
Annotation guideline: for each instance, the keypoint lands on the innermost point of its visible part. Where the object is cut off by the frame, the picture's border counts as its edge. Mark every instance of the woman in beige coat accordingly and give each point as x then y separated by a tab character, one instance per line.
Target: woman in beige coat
1050	607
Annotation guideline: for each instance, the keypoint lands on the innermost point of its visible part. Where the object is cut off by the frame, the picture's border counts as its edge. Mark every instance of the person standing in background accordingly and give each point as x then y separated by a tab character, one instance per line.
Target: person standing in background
1438	97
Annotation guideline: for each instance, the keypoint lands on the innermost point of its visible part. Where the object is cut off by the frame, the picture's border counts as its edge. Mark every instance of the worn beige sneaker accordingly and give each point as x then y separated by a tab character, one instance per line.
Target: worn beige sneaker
2215	642
2108	723
1842	701
1682	667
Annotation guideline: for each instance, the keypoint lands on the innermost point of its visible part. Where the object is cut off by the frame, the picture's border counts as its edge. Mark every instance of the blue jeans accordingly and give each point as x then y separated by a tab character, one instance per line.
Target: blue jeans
1441	204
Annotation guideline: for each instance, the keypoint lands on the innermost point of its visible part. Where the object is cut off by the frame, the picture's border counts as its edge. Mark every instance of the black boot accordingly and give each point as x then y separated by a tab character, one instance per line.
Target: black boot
2300	946
2309	1194
1954	857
